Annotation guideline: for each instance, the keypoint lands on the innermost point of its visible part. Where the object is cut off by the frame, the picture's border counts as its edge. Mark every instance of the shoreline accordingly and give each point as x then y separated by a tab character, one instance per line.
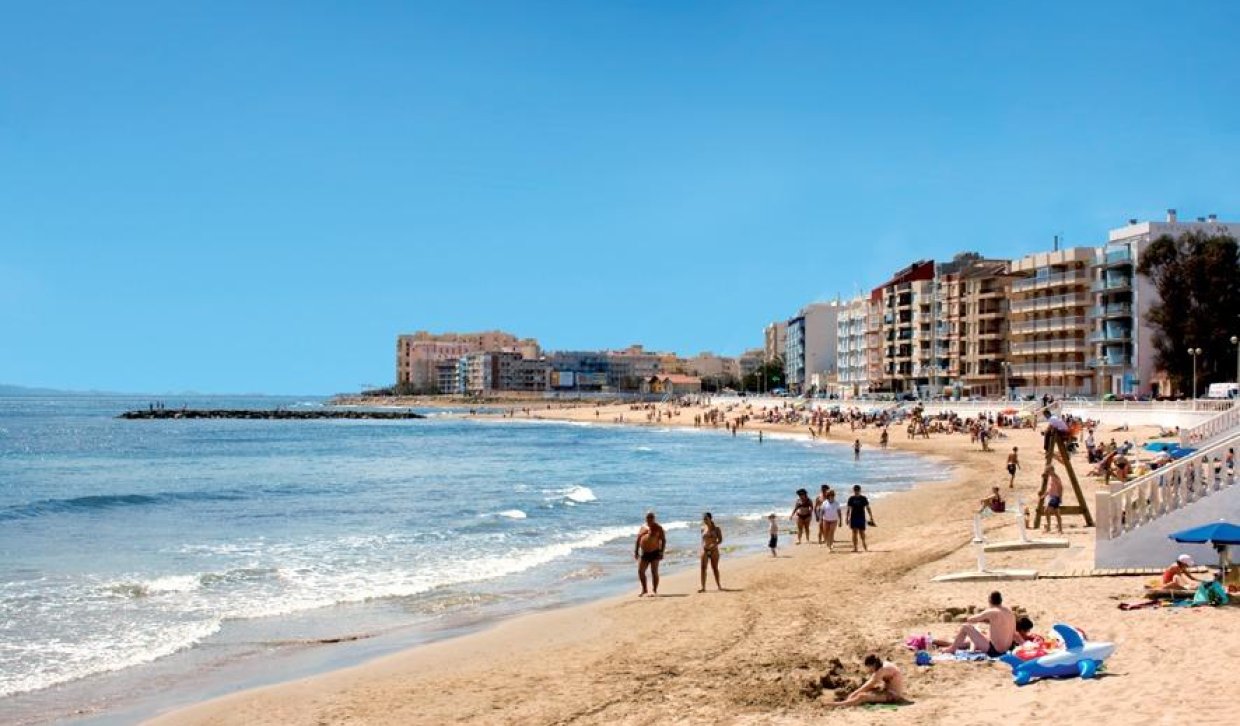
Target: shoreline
765	641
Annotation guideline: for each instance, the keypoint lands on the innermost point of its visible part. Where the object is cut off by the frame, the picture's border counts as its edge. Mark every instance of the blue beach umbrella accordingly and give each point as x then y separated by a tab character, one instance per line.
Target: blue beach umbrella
1220	534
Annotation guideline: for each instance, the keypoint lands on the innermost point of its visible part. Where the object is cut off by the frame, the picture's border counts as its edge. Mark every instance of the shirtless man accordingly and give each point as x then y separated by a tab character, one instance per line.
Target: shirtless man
885	685
1013	463
648	550
1001	623
1054	498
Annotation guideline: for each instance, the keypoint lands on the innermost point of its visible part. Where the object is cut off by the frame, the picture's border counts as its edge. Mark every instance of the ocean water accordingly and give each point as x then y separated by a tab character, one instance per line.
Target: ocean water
137	556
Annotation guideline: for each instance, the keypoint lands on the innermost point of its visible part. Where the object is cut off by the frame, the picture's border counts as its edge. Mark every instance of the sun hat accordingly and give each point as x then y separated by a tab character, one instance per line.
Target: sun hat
1185	560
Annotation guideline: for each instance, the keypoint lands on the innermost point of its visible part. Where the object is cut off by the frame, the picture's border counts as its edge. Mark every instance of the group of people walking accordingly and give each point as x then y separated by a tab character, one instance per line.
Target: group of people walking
828	513
651	543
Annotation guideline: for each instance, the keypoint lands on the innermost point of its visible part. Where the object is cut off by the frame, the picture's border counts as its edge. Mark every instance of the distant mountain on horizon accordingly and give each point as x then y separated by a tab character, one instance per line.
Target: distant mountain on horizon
13	390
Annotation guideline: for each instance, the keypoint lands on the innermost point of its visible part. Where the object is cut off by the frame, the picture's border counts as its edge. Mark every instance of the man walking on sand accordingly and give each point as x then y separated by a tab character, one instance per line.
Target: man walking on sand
648	550
859	515
1054	498
1013	463
999	621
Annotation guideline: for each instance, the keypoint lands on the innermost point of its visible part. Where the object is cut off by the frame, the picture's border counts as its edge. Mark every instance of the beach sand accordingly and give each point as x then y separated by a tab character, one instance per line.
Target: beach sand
758	653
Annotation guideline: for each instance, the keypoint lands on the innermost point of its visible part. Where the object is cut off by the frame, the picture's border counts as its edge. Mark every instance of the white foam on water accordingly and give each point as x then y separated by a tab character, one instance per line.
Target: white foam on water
512	514
580	494
102	653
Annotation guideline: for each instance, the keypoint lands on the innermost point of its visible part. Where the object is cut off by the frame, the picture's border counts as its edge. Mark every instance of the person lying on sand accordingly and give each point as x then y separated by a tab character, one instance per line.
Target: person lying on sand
885	685
1000	622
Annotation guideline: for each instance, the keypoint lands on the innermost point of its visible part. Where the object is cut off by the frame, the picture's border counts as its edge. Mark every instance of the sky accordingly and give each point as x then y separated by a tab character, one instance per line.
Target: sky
258	197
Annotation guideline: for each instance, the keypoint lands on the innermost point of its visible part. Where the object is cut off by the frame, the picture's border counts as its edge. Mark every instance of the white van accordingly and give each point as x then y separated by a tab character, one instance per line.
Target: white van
1223	390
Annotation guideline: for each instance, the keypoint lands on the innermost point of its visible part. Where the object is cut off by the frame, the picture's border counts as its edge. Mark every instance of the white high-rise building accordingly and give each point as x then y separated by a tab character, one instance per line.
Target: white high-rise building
1123	343
811	346
853	377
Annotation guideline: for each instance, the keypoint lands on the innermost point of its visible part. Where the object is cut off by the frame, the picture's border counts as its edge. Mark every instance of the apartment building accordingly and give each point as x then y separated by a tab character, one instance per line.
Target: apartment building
712	367
417	353
482	373
1049	322
852	361
1122	344
907	308
810	348
970	339
775	340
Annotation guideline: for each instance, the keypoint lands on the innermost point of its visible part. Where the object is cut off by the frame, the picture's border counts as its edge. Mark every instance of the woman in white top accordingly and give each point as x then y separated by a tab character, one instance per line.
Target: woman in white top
829	518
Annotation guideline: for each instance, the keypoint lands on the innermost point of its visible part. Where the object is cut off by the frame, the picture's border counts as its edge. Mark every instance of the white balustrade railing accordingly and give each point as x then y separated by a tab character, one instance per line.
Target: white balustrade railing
1124	506
1228	419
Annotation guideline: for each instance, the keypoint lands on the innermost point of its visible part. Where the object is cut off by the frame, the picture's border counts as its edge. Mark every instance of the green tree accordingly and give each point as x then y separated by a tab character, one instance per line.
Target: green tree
1197	277
769	375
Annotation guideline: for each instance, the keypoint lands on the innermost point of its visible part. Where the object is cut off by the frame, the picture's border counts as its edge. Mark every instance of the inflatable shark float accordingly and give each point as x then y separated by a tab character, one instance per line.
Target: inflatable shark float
1078	658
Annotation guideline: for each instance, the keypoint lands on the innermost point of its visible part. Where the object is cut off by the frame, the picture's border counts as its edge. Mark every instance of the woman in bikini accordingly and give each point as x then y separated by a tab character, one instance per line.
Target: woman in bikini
712	537
803	514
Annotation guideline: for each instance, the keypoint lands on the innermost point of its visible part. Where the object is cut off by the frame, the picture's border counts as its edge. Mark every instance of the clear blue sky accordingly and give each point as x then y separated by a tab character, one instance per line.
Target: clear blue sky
229	198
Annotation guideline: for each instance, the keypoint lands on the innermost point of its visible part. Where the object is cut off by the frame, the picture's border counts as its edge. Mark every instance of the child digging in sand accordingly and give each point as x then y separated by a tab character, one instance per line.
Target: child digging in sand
885	685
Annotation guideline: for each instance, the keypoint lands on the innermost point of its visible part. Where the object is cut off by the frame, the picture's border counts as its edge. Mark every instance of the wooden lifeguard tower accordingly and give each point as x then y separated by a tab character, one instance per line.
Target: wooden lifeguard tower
1058	443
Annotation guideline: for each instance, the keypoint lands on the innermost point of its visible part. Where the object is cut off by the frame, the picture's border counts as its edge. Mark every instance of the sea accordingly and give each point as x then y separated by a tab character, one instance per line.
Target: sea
146	564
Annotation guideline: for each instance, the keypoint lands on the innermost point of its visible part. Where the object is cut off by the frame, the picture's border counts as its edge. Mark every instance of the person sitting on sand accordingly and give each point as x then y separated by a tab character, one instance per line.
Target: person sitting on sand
1025	634
1001	624
993	503
1177	575
712	537
885	685
651	541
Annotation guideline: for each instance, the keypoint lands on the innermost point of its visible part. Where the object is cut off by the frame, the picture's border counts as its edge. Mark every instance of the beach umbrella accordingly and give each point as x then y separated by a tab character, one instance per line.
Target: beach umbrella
1009	411
1220	534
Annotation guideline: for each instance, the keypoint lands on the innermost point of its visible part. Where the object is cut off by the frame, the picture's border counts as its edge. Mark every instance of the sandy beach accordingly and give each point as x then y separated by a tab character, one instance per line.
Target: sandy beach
759	652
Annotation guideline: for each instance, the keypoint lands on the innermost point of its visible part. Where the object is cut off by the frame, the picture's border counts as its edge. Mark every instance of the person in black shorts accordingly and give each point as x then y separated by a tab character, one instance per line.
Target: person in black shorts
859	515
1013	463
648	550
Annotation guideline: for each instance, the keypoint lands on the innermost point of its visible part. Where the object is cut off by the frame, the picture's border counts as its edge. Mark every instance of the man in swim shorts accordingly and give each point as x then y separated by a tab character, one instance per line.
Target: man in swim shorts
1013	463
1054	498
1001	623
648	550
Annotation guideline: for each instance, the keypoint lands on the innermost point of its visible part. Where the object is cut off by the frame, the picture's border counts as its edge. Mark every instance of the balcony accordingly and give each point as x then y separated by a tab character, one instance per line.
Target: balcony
1115	335
1112	283
1071	277
1117	257
1047	325
1061	345
1049	303
1113	310
1114	361
1051	368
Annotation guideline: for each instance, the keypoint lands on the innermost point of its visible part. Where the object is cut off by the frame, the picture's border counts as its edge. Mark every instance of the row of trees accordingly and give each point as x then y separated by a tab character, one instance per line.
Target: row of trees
1198	280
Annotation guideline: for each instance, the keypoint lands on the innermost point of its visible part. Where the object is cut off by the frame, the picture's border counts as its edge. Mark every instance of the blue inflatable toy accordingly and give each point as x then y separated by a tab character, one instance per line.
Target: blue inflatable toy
1078	658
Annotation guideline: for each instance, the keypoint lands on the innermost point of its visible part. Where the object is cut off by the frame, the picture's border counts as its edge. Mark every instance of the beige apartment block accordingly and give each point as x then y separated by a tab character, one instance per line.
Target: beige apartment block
1050	323
971	341
418	353
774	340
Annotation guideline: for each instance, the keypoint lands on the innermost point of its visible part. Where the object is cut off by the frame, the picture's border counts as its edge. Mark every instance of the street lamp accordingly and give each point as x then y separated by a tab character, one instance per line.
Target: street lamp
1235	340
1194	352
